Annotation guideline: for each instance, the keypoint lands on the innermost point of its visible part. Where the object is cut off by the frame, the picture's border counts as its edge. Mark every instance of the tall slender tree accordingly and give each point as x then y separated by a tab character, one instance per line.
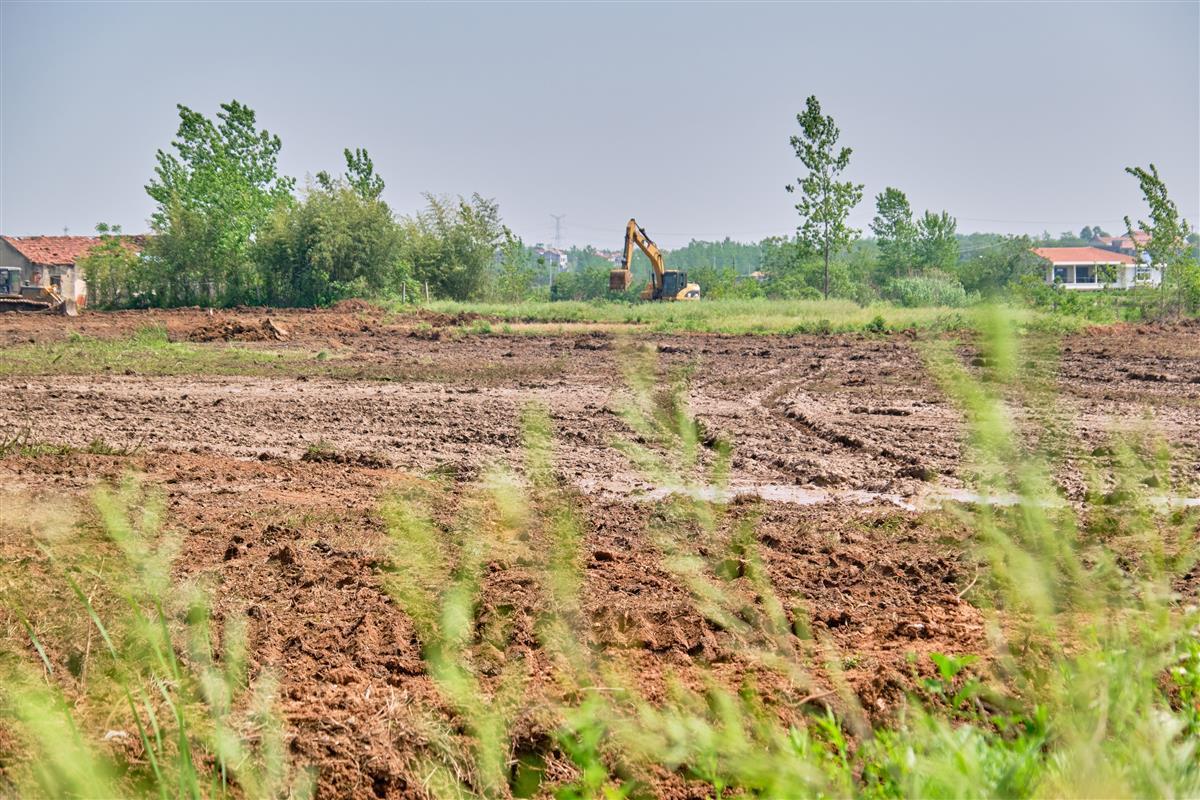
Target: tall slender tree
825	202
895	232
1167	244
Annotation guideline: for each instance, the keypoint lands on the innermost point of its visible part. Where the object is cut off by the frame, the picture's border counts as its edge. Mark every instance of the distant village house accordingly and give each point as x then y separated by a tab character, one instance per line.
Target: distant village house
1089	268
49	261
52	261
553	257
1124	244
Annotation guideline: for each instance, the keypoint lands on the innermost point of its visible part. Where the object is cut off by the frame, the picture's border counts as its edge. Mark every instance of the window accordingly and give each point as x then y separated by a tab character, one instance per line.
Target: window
1084	274
1060	274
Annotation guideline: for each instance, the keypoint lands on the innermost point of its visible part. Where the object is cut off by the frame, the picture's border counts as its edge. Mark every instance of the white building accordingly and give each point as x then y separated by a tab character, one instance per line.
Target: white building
1088	268
555	259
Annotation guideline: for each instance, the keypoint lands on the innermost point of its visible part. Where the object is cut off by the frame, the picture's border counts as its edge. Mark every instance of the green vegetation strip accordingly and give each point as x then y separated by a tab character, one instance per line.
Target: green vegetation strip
147	352
756	316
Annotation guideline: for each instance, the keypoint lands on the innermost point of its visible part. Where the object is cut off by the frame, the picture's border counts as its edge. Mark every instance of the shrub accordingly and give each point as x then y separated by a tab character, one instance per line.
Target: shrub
928	290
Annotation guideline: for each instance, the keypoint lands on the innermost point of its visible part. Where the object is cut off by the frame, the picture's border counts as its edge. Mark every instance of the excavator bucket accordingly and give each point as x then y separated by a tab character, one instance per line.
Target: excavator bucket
619	280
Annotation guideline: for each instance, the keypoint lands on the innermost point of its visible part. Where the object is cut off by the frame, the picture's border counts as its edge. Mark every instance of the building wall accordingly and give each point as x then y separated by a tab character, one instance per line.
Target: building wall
1125	274
9	257
70	281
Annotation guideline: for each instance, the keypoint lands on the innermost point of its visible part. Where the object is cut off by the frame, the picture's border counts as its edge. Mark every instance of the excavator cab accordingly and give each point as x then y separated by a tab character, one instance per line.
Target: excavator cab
10	280
675	286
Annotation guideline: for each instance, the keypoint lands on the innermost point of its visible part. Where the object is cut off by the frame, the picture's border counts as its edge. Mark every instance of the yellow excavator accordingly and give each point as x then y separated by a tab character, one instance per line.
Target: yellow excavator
665	284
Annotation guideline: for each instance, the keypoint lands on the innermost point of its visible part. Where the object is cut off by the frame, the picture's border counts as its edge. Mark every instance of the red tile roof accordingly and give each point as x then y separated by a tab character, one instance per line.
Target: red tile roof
59	250
52	250
1082	255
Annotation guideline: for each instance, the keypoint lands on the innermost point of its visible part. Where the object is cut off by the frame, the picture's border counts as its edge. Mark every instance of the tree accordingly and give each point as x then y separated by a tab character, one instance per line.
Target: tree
360	175
1086	234
893	228
996	268
1167	244
214	192
111	268
825	202
452	243
340	241
513	274
937	246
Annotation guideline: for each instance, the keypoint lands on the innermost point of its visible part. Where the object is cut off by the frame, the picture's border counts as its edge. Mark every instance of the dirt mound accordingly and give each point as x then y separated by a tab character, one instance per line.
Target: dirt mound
355	306
236	330
440	320
327	455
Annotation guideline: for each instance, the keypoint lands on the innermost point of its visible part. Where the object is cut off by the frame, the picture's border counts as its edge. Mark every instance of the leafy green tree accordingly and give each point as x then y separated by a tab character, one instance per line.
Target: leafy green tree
214	193
340	241
937	245
995	269
452	244
360	175
825	202
896	234
1167	245
513	276
1086	233
111	268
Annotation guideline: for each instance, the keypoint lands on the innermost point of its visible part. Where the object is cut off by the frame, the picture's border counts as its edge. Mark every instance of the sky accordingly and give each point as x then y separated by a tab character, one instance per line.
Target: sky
1014	117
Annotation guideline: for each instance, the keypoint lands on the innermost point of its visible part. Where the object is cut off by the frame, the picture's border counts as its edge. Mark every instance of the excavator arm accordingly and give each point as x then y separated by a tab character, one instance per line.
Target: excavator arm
619	279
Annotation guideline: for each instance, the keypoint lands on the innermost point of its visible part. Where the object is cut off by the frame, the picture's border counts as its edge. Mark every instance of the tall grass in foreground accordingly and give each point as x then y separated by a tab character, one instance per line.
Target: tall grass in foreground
125	696
1091	686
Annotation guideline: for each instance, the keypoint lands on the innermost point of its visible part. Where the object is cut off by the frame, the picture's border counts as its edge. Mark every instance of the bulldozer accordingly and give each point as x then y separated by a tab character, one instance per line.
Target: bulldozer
18	296
664	284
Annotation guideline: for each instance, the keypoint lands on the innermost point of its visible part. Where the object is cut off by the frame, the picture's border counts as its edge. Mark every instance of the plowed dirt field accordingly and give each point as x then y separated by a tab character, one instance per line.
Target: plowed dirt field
842	447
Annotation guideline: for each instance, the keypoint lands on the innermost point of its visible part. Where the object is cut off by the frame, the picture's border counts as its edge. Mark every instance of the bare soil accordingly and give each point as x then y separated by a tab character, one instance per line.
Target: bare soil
277	482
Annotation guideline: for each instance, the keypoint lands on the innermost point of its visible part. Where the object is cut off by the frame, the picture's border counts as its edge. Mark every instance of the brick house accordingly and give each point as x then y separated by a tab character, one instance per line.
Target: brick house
1090	268
51	261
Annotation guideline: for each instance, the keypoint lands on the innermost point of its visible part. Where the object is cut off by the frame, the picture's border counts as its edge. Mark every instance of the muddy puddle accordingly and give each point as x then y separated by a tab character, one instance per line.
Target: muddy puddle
935	498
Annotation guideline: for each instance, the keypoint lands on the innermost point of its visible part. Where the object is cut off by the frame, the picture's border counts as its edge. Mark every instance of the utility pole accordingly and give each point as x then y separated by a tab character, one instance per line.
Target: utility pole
558	218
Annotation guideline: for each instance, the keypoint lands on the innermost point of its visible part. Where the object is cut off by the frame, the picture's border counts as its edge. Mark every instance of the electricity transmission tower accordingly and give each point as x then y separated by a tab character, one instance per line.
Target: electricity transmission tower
558	218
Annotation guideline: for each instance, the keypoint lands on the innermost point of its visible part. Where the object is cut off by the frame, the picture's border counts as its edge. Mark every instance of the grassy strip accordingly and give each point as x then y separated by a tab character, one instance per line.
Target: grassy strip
22	445
753	316
147	352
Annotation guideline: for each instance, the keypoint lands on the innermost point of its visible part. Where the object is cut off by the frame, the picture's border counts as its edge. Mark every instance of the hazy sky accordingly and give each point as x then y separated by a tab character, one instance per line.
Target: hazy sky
1014	117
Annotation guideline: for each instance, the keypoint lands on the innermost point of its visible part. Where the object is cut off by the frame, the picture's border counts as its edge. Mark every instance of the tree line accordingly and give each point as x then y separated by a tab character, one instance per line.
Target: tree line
229	229
920	262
